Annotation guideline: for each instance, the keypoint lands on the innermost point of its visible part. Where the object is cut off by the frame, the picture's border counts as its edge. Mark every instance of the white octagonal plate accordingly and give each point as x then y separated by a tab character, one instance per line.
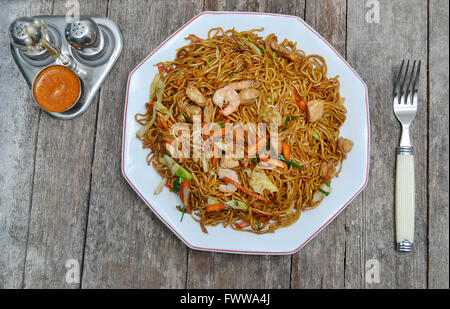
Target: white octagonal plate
351	181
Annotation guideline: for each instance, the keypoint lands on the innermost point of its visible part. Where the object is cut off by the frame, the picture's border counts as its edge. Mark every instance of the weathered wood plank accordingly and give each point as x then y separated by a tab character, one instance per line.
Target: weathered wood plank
60	198
320	264
19	119
438	273
126	245
376	50
242	271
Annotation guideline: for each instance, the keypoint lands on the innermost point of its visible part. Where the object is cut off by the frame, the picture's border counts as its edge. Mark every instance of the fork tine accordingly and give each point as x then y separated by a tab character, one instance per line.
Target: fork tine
410	88
416	82
397	84
402	87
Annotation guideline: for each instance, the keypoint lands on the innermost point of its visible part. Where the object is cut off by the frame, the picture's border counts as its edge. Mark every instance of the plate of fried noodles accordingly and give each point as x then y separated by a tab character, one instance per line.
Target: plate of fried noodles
246	133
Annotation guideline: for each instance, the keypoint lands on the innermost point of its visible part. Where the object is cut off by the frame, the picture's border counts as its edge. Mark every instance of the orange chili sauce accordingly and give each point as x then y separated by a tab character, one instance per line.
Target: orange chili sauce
56	88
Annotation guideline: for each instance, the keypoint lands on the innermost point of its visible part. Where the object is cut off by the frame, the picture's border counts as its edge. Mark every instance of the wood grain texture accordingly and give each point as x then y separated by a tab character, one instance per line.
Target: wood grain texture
438	222
62	195
19	118
231	271
327	271
376	51
61	188
127	246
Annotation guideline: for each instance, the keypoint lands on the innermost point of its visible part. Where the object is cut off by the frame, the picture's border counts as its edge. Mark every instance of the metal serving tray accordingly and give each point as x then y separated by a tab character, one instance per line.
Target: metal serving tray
91	73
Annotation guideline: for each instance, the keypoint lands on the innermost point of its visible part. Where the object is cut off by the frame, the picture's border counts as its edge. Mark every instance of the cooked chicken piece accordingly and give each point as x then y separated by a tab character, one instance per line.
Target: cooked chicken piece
195	95
228	188
208	111
345	145
176	147
327	170
229	163
244	84
271	115
249	96
283	51
314	110
190	109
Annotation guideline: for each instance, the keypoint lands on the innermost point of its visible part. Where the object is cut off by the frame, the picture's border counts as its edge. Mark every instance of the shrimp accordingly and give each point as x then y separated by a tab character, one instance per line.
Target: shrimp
228	188
195	95
227	95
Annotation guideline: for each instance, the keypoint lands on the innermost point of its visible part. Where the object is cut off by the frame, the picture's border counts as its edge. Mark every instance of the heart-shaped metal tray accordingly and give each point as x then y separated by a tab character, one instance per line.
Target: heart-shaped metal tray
91	73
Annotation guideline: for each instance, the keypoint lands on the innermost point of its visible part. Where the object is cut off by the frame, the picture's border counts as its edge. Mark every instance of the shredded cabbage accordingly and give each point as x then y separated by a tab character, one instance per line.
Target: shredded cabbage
321	193
147	126
259	181
160	186
235	204
156	87
212	200
291	208
252	46
175	168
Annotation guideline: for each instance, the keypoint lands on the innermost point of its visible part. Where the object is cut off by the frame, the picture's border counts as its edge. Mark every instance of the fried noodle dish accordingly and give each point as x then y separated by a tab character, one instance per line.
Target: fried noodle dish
238	90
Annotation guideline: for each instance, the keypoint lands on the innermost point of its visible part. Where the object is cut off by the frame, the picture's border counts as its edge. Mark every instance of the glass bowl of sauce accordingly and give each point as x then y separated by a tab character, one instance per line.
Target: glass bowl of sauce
56	88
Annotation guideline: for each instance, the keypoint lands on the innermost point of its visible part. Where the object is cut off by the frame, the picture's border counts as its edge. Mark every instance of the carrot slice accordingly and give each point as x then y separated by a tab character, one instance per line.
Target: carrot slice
246	191
185	190
272	162
192	49
205	127
215	155
154	145
161	69
242	224
298	100
180	81
216	207
286	151
224	131
162	123
255	147
263	218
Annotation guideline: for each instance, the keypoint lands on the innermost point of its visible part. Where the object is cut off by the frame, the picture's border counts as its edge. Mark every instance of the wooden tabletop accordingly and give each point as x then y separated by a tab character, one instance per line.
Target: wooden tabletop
66	209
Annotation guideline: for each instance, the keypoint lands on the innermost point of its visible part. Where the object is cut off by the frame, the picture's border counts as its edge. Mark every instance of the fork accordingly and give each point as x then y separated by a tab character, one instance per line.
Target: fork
405	109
